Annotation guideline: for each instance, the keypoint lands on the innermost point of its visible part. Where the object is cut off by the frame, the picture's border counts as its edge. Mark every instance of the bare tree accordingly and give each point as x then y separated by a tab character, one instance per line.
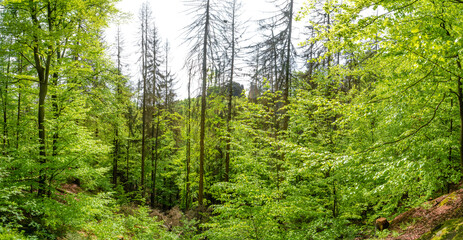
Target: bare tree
155	62
201	35
188	142
232	8
119	43
145	14
276	56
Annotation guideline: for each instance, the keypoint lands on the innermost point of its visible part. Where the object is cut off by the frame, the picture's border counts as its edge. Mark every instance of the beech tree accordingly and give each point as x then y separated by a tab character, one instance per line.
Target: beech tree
48	29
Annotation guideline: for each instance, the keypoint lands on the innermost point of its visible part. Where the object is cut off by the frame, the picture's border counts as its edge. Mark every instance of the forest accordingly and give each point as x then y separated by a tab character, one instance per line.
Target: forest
314	138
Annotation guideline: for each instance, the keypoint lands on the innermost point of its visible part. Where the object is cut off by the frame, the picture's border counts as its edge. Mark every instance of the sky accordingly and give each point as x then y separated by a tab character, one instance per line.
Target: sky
171	18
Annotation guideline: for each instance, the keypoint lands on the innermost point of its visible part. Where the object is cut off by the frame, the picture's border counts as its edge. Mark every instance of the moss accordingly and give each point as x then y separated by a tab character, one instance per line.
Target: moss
449	230
442	233
450	197
426	236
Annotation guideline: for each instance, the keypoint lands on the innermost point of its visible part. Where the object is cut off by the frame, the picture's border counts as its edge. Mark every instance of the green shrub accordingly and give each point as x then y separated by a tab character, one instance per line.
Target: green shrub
12	234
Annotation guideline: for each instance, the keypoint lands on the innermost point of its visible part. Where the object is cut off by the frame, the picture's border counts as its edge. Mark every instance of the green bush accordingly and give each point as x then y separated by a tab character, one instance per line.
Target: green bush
12	234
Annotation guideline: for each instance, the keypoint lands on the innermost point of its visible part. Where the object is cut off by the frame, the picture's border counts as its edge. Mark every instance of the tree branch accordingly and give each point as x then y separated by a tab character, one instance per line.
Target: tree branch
408	87
410	134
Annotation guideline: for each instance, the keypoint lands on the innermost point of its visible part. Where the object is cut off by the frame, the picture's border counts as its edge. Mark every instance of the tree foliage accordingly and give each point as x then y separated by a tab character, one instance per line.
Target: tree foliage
369	126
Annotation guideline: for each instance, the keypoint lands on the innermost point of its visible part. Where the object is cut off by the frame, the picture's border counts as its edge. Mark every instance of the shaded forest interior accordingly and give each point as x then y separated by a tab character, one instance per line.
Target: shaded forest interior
368	127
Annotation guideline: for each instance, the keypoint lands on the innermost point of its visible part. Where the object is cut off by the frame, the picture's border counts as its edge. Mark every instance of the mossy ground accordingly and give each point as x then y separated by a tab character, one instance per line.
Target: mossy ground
438	219
449	230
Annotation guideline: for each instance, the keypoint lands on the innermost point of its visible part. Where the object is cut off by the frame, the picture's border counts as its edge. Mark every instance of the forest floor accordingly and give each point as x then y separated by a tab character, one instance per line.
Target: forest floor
440	218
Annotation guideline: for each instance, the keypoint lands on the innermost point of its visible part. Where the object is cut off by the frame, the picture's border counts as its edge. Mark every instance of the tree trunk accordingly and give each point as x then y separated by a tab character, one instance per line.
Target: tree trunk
188	154
20	69
153	167
5	109
43	89
118	96
203	110
156	157
460	103
127	158
287	83
154	147
54	100
144	72
43	72
230	98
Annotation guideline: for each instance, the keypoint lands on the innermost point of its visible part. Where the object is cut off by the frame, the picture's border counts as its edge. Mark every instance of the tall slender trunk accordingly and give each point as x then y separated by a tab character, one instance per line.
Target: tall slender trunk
127	158
188	154
5	109
460	104
42	60
166	87
54	100
287	83
274	83
256	88
118	97
450	137
276	125
153	163
328	18
230	97
41	127
18	120
116	154
156	152
43	71
144	70
154	146
203	110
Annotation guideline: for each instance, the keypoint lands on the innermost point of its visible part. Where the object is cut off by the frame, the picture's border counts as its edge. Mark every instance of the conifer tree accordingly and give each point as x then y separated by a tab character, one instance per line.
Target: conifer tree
203	45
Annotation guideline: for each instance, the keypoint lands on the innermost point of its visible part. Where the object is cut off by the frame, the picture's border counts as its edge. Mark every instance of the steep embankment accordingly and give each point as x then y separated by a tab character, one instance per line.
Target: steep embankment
441	218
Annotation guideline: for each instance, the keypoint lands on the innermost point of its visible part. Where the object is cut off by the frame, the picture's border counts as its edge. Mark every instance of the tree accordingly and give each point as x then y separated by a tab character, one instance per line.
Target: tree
201	35
232	9
145	15
155	75
276	57
122	94
48	28
188	143
118	93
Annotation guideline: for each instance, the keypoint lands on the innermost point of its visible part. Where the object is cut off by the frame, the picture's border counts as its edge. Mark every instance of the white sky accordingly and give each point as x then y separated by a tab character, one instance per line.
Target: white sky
170	18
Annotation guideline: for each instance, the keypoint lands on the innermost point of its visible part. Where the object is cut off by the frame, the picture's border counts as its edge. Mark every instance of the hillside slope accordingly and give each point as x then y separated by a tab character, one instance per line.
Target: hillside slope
441	218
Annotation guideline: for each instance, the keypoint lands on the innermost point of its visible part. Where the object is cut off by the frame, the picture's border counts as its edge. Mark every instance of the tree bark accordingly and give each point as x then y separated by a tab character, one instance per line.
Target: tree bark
188	154
43	75
54	100
20	69
203	110
287	83
118	96
5	109
144	72
154	147
460	103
